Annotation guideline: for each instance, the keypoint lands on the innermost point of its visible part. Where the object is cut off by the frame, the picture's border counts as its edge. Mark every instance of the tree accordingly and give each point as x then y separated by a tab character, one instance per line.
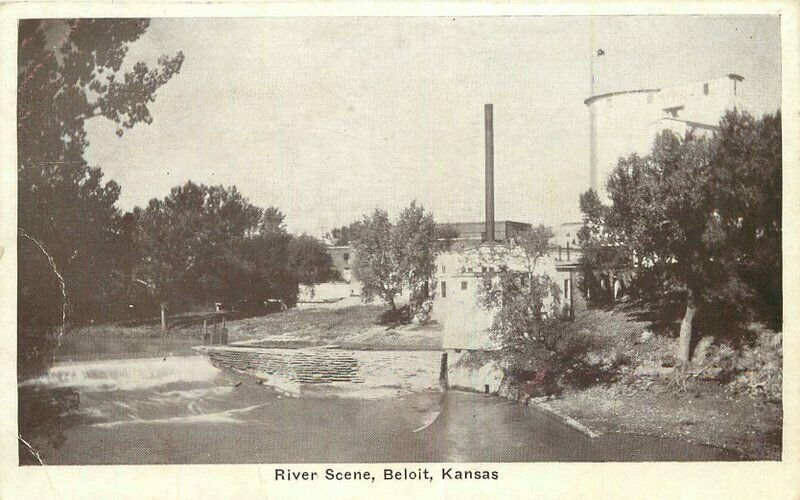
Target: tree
309	261
272	221
378	266
444	236
397	257
533	244
345	235
415	235
69	71
191	244
747	165
519	279
270	277
526	302
691	214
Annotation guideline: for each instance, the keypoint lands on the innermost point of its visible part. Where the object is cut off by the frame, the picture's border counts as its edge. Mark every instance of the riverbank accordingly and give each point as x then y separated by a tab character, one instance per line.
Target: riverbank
352	327
706	413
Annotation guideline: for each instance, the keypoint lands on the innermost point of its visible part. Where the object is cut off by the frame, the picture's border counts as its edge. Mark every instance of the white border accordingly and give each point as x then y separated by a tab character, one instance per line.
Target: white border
637	480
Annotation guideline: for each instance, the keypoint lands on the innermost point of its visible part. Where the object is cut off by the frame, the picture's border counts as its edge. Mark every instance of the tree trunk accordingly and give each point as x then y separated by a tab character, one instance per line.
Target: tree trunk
685	339
163	318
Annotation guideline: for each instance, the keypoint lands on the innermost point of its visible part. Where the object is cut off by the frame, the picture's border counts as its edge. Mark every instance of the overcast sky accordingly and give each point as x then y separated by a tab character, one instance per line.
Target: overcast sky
327	118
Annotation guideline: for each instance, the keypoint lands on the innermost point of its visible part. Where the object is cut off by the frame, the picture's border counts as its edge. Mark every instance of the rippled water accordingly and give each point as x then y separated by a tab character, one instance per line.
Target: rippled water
184	410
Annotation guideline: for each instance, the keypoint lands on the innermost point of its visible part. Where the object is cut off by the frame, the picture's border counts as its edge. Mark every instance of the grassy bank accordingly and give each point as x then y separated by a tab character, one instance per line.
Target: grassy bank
352	327
348	327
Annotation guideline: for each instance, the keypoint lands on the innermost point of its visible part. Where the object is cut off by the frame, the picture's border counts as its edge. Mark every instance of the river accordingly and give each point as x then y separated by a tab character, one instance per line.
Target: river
183	410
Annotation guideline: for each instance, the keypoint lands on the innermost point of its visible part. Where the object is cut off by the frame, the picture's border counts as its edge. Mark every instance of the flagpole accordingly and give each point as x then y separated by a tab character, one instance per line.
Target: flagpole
591	57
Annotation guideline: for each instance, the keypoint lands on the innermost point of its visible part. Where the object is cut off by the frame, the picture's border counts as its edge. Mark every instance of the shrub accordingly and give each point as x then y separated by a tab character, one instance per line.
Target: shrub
395	317
756	368
759	367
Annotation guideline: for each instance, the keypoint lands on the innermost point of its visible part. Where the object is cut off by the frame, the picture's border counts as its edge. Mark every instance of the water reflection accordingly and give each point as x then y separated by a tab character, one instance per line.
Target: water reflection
183	410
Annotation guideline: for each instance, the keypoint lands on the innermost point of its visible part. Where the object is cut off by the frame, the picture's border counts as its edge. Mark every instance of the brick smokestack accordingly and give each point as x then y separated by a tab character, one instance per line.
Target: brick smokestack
489	127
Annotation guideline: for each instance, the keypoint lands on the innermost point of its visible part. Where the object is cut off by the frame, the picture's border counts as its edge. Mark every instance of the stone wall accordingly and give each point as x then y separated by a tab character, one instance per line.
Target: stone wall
410	370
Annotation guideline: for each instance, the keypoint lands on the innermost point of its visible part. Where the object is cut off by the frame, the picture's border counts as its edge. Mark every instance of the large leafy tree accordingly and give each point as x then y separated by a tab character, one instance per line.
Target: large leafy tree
397	257
309	261
378	264
71	71
747	165
191	242
417	243
697	215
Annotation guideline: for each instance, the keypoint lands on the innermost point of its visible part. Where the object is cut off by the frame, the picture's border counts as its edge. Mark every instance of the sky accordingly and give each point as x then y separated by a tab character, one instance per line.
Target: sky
328	118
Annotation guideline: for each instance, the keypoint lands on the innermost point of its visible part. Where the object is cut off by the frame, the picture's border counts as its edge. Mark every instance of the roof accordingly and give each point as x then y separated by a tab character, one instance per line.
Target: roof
591	99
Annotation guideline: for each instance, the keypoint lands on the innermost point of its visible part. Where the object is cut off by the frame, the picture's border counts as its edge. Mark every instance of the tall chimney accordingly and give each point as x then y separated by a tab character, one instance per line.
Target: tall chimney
487	110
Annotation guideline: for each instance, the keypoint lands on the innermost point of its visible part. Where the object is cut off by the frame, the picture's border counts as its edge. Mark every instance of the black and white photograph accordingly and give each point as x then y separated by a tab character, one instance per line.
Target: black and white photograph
450	240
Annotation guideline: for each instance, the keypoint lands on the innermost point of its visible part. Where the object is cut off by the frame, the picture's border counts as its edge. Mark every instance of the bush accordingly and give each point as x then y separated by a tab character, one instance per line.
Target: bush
756	368
395	317
759	368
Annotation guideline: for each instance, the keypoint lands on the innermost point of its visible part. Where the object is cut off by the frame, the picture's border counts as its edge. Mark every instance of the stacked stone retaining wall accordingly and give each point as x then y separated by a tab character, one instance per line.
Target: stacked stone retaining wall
416	370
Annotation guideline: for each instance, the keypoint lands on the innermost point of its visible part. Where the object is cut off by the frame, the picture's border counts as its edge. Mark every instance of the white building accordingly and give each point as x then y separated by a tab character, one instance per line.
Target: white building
625	122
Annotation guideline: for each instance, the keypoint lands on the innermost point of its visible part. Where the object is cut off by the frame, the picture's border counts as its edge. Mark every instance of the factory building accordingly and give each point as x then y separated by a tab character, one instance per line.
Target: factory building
627	121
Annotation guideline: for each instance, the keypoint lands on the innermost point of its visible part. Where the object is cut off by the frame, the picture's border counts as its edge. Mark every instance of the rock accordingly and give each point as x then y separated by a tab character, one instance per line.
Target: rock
701	351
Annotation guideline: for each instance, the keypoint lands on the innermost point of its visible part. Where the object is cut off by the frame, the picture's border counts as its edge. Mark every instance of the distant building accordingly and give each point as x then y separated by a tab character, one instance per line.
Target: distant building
627	121
476	231
342	258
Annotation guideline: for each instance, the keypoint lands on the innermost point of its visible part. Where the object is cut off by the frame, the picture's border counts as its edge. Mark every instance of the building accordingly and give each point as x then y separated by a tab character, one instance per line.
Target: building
476	231
627	121
343	258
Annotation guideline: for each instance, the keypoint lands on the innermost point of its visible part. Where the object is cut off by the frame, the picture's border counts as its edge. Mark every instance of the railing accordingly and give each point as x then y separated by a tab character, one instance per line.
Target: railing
218	333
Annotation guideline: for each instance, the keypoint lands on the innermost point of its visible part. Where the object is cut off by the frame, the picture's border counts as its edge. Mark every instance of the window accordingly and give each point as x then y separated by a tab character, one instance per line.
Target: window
566	289
444	289
463	285
649	98
444	269
346	256
483	269
469	269
705	89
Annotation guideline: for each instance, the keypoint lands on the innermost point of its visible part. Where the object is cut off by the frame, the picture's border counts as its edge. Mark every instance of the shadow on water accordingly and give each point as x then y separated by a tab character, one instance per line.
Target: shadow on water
41	416
183	410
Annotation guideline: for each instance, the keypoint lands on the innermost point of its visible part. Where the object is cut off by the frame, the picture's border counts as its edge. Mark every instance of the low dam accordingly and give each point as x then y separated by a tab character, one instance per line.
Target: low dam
360	371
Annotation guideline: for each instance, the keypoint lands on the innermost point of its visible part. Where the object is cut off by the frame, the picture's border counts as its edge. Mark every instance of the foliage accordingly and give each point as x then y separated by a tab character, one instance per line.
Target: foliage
538	346
444	234
378	264
755	368
309	261
70	71
747	160
394	257
759	367
415	233
345	235
204	244
698	215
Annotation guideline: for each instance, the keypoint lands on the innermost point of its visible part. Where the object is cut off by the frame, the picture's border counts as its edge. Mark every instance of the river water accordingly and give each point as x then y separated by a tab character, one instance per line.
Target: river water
183	410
